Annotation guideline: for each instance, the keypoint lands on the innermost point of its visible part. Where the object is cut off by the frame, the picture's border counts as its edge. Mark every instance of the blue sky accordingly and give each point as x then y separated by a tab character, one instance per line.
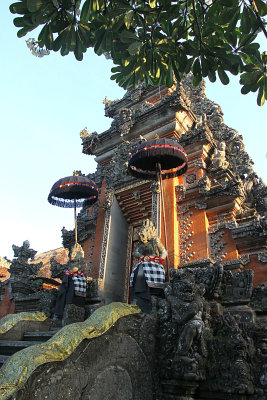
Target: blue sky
44	104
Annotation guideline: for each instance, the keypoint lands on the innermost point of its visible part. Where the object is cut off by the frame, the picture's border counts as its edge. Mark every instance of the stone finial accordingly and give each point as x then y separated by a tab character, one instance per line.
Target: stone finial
24	252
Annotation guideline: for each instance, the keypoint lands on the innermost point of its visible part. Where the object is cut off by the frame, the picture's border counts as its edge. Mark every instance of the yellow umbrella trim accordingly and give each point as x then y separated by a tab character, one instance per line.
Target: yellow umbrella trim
21	365
10	320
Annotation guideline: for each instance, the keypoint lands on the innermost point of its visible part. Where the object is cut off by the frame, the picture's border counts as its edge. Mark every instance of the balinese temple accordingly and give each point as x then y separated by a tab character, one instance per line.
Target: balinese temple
206	335
215	212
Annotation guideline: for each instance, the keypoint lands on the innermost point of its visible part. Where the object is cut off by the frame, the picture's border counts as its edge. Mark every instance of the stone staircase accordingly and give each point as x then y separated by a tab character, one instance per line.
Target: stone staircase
10	347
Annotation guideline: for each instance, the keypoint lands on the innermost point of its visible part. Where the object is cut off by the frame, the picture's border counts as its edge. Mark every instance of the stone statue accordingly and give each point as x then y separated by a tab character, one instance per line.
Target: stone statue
188	308
148	275
219	159
24	252
149	243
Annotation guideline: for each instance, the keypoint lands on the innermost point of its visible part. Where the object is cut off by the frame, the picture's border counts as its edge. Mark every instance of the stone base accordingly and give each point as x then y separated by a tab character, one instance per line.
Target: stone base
72	314
178	390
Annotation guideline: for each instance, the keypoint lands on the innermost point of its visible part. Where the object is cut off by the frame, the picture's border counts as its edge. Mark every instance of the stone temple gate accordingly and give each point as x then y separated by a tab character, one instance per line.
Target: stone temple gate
216	212
206	336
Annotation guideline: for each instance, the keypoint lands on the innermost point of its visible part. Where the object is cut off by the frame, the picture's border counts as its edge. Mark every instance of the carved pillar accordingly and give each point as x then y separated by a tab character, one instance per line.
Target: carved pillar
105	236
156	206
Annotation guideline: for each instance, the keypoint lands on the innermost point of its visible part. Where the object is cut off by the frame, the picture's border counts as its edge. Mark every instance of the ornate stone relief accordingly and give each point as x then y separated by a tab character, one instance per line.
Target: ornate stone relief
124	119
109	197
219	159
216	246
116	172
262	257
156	205
204	185
245	259
190	178
185	234
200	204
200	164
179	193
89	141
103	251
237	286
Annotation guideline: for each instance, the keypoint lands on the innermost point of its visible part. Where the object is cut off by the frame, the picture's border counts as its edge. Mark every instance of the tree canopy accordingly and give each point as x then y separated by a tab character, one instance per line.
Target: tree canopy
155	41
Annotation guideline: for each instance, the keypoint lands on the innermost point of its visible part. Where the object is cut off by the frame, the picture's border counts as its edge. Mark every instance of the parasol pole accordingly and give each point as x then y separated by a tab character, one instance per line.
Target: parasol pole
164	219
75	221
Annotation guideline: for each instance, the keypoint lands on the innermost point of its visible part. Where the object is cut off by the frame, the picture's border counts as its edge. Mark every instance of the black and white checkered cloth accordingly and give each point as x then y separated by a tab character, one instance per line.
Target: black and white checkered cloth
79	285
154	273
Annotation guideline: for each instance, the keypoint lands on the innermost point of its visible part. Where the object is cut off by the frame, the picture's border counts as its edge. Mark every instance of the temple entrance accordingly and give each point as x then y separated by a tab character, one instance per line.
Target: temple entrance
129	208
116	255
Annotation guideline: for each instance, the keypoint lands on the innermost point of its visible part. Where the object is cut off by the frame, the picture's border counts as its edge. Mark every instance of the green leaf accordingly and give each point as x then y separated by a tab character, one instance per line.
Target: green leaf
42	38
79	48
86	10
22	32
261	95
59	41
134	48
251	48
196	68
128	37
35	5
196	80
212	76
223	76
262	7
128	19
245	21
18	8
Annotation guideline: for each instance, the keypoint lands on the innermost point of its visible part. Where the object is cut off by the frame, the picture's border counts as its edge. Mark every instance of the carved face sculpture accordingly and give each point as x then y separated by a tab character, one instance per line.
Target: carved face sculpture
184	290
143	238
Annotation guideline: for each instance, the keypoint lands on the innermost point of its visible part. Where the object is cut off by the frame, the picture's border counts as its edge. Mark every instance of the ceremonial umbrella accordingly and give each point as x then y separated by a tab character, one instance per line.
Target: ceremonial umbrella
158	159
71	192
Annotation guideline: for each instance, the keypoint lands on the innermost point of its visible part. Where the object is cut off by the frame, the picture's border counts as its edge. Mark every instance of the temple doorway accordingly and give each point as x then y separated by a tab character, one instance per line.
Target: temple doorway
130	206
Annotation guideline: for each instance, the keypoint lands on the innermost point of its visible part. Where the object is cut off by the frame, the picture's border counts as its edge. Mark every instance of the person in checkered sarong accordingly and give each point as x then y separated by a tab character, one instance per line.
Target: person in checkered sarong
74	283
148	275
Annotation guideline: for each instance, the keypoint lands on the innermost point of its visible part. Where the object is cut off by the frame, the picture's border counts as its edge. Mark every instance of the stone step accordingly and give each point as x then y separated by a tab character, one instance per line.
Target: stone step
3	359
39	336
8	347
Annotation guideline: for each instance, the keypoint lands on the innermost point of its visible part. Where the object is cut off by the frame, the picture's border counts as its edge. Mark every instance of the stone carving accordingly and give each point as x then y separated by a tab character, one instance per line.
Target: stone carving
204	184
184	317
116	172
209	276
23	253
156	205
124	120
216	246
89	141
200	164
179	192
259	298
190	178
262	257
200	205
237	287
57	270
230	350
86	224
245	259
136	94
185	241
219	158
149	243
109	198
103	251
